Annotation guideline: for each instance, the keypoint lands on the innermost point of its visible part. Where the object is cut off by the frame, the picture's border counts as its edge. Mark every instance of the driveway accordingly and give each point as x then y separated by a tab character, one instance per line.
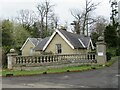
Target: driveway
102	78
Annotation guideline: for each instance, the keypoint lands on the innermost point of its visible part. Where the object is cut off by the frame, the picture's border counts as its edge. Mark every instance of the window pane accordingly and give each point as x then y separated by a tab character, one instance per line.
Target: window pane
58	48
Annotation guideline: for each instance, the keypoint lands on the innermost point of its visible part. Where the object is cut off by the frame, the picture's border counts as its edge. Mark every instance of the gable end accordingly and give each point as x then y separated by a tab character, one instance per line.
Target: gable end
26	43
61	35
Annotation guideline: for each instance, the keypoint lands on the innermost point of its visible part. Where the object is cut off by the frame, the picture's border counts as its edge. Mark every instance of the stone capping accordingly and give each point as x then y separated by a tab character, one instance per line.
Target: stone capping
104	43
100	38
12	50
12	54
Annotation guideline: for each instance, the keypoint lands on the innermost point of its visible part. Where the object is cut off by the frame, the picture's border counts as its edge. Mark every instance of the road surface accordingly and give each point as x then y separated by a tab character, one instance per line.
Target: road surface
101	78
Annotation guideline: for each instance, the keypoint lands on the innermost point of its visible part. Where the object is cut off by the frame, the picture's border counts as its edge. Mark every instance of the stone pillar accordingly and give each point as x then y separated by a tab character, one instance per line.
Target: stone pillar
11	58
101	51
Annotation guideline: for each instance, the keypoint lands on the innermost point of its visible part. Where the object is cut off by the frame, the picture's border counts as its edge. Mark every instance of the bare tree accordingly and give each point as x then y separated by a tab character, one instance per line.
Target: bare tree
26	18
84	16
89	7
54	19
100	25
41	9
78	18
44	8
48	10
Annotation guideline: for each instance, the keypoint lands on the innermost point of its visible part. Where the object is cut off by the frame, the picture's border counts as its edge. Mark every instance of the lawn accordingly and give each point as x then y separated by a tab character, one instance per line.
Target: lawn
6	72
56	70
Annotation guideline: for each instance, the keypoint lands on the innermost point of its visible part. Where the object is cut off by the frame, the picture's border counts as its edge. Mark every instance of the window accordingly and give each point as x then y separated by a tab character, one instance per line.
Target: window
58	48
31	51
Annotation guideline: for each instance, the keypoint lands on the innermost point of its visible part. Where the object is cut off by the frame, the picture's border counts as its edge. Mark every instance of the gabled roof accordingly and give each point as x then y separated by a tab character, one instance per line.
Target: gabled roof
41	44
34	41
75	41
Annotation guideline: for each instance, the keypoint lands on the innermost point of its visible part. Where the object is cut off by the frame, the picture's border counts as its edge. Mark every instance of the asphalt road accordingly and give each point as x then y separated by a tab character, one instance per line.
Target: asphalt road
102	78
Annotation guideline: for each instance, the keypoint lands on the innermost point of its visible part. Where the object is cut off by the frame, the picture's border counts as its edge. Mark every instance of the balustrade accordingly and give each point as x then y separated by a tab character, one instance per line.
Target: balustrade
84	58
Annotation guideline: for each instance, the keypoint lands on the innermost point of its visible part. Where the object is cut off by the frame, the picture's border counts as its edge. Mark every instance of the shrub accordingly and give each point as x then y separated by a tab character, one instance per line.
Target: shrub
93	67
112	50
9	75
108	56
68	70
118	52
44	72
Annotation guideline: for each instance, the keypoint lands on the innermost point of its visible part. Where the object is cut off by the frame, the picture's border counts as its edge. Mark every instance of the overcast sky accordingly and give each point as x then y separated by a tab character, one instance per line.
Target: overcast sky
9	8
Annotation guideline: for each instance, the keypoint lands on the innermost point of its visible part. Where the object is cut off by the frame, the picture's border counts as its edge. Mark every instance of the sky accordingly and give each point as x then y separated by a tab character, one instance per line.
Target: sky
10	8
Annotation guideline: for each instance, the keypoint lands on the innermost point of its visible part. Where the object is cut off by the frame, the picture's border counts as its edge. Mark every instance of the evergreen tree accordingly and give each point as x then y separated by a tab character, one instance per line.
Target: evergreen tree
7	41
110	36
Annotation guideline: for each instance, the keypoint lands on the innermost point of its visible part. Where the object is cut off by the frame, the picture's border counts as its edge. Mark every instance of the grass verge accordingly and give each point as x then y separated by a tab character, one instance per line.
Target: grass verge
110	62
6	72
55	70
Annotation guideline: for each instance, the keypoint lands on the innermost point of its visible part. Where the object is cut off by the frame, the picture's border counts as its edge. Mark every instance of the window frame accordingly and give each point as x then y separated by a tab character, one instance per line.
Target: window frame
58	48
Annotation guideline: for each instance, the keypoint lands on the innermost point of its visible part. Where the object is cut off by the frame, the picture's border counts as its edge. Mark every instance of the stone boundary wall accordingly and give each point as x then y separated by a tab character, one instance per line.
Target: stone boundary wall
51	61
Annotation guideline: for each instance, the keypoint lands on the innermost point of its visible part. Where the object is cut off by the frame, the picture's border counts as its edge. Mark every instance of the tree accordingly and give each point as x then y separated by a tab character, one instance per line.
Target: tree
19	36
115	24
114	13
94	37
85	16
7	39
54	21
76	27
26	18
13	36
89	8
99	26
77	23
48	10
36	32
110	36
44	8
97	29
7	29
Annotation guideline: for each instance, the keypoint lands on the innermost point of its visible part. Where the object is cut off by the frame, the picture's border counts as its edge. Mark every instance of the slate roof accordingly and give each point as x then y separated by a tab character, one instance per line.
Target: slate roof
77	41
34	41
41	44
74	39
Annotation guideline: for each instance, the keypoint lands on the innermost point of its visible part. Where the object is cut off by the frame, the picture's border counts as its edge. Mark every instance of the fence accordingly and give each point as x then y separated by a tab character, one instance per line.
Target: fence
54	59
